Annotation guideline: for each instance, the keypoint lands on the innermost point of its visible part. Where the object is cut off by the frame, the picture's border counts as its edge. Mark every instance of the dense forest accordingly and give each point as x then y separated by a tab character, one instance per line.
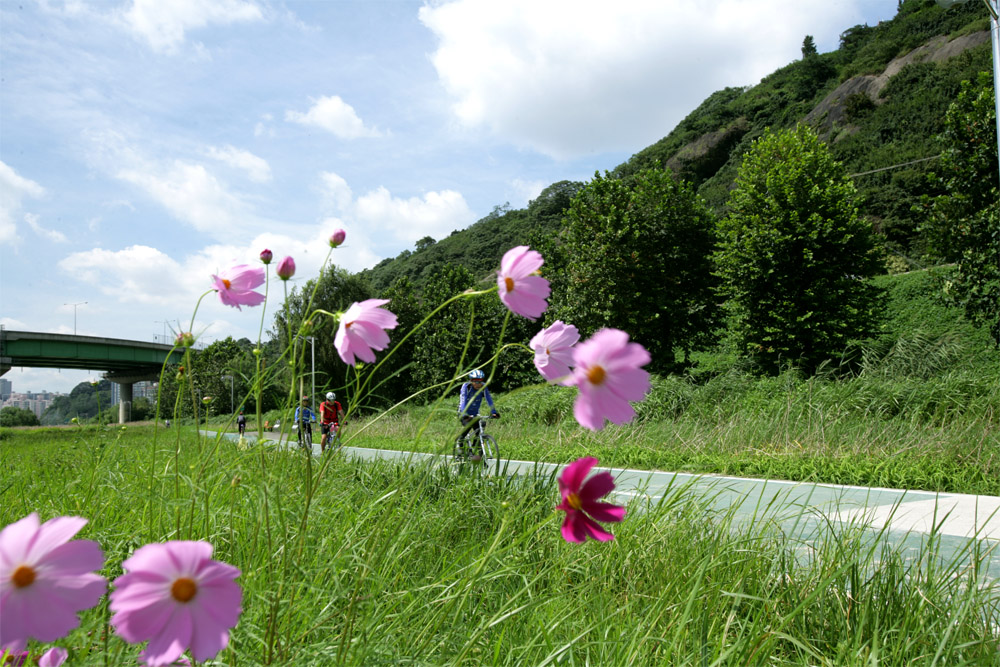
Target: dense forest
755	231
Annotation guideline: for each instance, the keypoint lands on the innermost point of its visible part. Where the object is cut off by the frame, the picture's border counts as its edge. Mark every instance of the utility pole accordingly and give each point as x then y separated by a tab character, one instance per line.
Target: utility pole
74	312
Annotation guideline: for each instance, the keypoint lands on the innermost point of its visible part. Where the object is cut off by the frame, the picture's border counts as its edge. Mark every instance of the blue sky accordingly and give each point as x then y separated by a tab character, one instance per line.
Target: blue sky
147	144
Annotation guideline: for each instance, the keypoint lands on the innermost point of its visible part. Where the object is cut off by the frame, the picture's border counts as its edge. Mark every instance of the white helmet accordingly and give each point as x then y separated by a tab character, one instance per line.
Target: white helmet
330	396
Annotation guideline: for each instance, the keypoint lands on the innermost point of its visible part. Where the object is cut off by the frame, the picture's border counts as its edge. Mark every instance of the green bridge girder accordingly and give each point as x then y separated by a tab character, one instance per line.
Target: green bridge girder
121	360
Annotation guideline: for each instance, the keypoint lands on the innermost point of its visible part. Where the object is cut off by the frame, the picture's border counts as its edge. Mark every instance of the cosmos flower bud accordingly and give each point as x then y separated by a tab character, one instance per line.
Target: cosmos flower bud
184	339
286	268
265	256
337	238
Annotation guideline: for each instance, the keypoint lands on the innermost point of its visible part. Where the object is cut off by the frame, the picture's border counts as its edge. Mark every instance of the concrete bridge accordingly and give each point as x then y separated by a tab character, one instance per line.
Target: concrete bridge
124	362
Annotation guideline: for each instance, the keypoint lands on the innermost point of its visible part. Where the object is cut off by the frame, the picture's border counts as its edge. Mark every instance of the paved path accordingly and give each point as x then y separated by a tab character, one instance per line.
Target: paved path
803	509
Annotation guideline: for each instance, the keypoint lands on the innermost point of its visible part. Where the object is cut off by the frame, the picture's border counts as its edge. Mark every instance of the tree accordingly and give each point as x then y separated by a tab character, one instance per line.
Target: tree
12	416
82	402
636	255
965	224
809	47
336	291
795	257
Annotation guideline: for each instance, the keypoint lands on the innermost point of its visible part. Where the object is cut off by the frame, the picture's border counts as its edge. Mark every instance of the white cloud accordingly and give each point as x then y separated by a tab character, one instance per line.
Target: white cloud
257	168
163	25
137	274
50	234
11	323
571	77
435	214
525	191
337	191
192	194
13	188
336	116
378	219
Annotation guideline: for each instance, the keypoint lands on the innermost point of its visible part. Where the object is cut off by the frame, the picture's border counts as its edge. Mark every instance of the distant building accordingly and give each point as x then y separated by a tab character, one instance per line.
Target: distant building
6	389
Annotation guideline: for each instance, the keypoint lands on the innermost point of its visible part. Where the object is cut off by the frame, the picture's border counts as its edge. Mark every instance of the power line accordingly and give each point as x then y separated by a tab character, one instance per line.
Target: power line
895	166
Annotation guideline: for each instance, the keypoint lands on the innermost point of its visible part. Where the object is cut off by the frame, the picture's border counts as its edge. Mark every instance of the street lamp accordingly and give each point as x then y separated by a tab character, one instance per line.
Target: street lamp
232	396
993	7
164	323
312	341
74	312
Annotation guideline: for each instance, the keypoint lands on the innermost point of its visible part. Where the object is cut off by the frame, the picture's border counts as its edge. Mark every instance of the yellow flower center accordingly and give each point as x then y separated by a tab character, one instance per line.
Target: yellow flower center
228	284
184	589
573	501
596	375
23	576
509	284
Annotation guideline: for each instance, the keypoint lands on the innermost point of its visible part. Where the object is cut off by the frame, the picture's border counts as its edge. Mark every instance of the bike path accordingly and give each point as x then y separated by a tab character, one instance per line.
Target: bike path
803	509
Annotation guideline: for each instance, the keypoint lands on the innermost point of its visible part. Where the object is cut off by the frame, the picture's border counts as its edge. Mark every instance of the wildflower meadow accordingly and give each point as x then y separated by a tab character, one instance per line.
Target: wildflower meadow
154	546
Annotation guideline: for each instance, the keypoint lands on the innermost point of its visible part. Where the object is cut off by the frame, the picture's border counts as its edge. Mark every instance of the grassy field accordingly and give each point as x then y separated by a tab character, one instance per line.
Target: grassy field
380	564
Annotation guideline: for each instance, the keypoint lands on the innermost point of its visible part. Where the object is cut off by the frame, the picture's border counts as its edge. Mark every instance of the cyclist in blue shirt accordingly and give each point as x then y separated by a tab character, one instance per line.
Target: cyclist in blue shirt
308	418
470	397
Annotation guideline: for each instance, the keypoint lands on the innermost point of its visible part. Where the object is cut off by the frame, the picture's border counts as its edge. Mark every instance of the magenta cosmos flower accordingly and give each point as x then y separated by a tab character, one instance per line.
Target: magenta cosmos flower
286	268
608	374
54	657
362	330
554	350
337	238
266	255
235	286
522	290
176	597
45	579
581	502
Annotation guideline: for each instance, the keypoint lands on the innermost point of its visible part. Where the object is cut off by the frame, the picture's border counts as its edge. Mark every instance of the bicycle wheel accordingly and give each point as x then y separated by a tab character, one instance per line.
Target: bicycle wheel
491	453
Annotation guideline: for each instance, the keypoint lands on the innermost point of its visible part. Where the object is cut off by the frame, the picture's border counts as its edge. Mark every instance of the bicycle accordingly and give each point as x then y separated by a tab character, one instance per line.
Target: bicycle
331	438
477	441
305	435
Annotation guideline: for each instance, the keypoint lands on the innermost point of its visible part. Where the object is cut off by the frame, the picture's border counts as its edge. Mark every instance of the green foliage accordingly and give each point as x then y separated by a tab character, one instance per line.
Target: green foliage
13	416
334	292
636	256
795	257
82	402
466	334
965	223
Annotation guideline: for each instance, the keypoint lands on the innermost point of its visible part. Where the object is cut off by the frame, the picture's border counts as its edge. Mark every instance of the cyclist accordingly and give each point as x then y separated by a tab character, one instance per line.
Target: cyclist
470	397
305	418
330	414
241	423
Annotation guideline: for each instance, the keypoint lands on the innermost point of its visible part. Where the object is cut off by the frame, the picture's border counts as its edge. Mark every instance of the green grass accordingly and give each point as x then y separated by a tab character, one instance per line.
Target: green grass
934	436
368	564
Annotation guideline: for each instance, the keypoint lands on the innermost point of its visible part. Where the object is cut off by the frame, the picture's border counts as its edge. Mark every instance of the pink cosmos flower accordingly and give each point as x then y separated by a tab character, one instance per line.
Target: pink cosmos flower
265	256
581	502
45	579
607	372
337	238
554	350
176	597
286	268
235	286
54	657
362	330
521	289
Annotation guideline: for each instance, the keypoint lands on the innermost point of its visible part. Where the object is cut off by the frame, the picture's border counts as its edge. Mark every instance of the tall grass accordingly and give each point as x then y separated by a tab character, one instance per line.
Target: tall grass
411	564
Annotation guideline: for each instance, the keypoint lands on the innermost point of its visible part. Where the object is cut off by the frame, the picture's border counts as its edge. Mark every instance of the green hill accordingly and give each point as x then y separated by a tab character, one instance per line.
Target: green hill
879	101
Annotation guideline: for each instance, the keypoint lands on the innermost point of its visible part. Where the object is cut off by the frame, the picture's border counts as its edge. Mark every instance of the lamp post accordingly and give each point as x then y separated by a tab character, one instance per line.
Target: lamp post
993	7
232	395
164	323
74	312
312	372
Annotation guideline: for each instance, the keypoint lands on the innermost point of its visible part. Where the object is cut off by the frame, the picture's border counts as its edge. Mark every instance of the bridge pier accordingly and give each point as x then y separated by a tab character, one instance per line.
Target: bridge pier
124	402
125	382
